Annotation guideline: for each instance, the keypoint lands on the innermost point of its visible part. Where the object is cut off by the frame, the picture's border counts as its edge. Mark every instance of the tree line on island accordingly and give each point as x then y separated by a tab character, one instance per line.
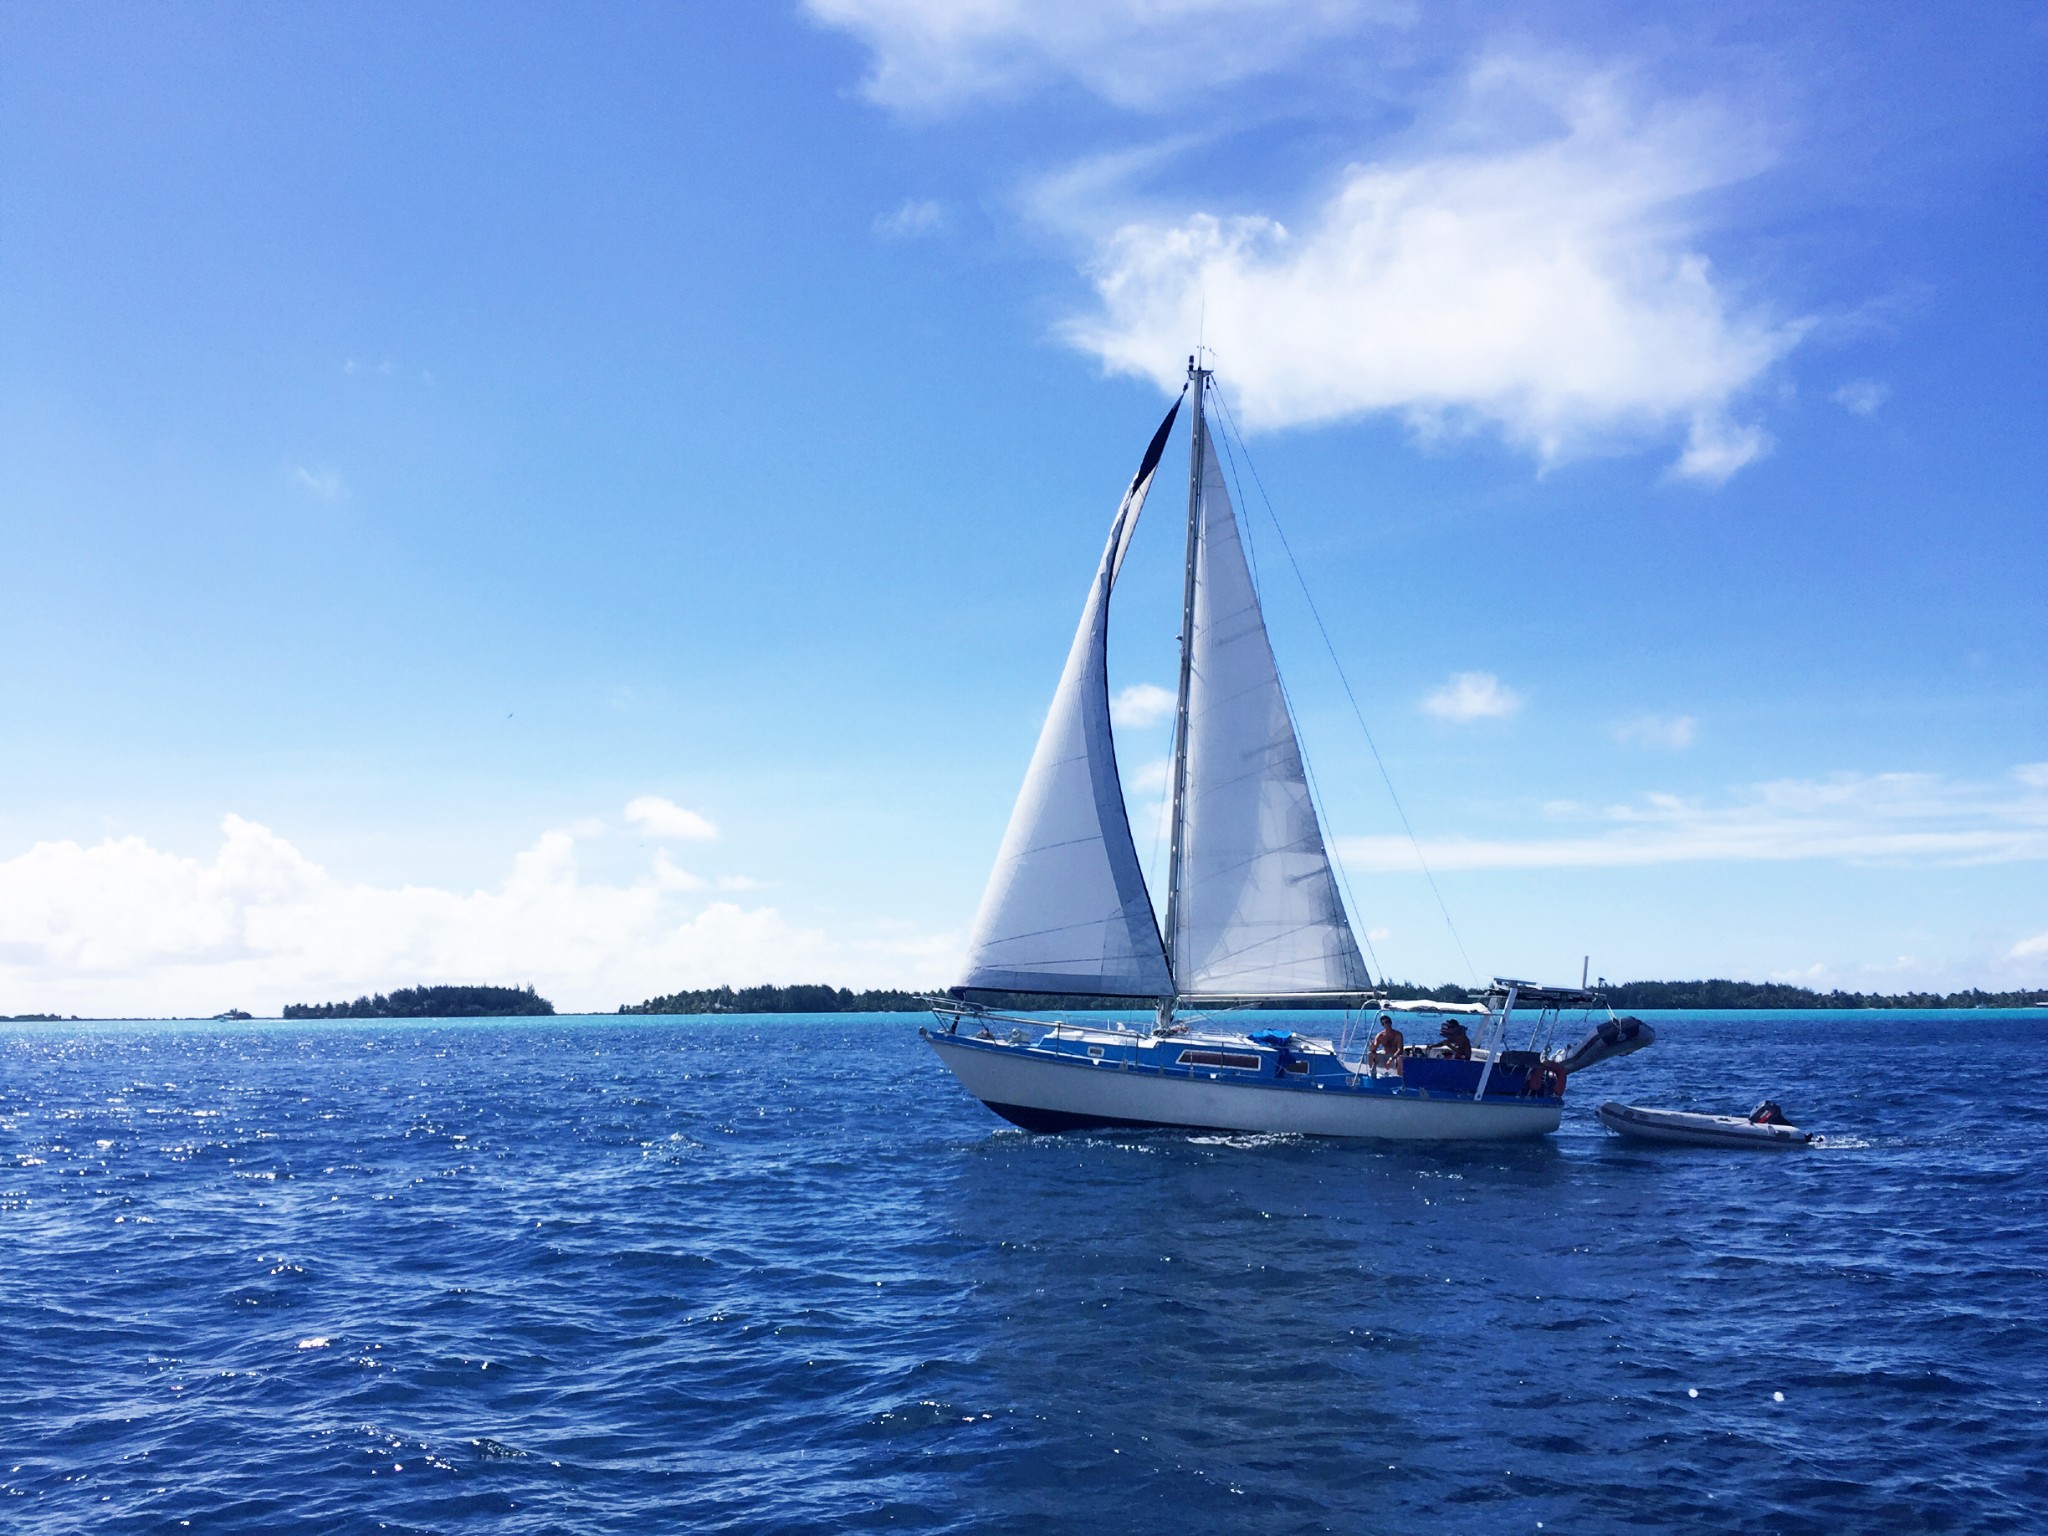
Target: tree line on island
826	999
1716	994
431	1003
1774	994
469	1002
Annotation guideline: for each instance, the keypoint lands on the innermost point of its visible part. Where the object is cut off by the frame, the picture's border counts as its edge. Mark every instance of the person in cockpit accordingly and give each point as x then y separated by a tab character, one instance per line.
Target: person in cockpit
1386	1046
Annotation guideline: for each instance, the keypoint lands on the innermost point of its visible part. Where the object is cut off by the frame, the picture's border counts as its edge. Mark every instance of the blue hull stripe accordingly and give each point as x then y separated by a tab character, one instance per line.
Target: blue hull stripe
1508	1092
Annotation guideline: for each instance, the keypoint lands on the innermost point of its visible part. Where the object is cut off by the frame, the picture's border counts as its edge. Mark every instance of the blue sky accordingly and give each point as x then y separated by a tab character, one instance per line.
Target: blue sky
601	497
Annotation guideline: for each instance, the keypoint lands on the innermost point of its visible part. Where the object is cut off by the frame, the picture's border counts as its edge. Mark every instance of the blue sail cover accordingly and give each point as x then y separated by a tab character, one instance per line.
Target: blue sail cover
1066	909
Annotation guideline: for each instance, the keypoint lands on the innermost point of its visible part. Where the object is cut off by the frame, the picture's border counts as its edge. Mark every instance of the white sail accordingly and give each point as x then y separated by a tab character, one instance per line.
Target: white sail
1066	908
1257	911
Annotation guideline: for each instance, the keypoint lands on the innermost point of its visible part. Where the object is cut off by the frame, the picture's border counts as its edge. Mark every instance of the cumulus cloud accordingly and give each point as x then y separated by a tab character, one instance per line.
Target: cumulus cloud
128	929
1145	796
911	219
1862	396
932	55
1142	704
657	817
1472	696
1715	449
321	481
1151	778
2027	949
1671	733
1530	269
1870	818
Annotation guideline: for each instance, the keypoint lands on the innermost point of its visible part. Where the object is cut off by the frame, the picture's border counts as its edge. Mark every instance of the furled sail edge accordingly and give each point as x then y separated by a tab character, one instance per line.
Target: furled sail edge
1127	511
1149	975
1109	784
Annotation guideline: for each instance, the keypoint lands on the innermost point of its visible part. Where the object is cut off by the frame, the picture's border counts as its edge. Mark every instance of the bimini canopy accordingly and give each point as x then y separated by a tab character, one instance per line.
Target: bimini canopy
1530	995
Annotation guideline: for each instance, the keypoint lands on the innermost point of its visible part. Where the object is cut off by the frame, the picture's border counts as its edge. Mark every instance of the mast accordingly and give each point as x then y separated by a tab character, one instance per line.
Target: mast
1198	444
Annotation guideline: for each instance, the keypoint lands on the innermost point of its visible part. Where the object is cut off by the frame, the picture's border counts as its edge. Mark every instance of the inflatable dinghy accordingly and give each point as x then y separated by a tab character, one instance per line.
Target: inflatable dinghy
1609	1038
1676	1125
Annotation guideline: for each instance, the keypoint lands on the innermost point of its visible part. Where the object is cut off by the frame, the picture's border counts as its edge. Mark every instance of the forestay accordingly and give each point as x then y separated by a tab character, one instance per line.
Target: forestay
1066	908
1257	912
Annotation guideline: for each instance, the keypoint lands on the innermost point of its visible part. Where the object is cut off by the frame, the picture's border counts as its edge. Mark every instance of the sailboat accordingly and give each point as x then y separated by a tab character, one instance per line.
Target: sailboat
1253	912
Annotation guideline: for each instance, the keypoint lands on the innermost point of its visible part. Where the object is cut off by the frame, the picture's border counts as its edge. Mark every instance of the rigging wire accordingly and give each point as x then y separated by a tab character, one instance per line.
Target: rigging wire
1230	421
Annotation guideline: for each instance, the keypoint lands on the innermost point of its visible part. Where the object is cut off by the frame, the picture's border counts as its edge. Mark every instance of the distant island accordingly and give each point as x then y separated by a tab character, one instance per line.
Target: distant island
800	999
820	998
430	1003
502	1002
1772	994
1704	995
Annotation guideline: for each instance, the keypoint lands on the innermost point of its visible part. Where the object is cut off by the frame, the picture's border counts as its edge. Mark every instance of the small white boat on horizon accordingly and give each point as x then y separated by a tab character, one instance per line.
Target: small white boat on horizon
1253	911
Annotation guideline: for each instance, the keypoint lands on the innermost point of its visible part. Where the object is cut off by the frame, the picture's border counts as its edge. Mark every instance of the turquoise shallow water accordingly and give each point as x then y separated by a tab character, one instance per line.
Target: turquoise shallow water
780	1275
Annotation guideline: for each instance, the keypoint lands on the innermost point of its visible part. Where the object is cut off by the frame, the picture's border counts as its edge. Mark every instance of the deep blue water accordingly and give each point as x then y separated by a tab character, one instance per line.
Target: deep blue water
781	1275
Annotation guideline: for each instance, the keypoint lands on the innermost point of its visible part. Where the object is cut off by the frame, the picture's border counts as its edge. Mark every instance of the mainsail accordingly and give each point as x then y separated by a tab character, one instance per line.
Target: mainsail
1066	908
1255	908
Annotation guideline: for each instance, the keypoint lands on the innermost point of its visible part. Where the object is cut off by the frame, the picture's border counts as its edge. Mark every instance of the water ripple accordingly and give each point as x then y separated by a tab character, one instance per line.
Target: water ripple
744	1275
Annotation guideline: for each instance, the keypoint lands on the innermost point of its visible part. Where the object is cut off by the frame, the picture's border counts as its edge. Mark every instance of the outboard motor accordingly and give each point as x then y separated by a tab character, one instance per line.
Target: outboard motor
1608	1039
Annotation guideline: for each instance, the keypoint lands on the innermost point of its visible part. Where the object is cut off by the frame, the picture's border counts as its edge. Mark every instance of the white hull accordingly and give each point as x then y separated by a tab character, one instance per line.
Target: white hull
1054	1094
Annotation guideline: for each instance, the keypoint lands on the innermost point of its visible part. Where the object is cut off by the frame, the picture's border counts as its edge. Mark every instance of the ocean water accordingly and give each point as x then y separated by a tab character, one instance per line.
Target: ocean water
781	1275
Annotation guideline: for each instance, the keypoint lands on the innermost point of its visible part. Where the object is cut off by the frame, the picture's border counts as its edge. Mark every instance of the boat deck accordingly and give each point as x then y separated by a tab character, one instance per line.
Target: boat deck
1303	1063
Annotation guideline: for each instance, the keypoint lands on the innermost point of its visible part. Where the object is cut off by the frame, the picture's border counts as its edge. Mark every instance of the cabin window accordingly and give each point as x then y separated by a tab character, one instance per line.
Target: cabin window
1298	1068
1094	1050
1241	1062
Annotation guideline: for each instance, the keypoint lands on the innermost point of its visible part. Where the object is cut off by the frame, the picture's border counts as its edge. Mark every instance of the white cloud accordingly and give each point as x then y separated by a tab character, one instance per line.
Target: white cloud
1715	448
1862	396
2027	949
1472	696
1143	704
1866	818
671	876
930	55
1672	733
322	481
916	217
1152	777
627	698
664	818
1901	973
128	929
1539	280
1145	791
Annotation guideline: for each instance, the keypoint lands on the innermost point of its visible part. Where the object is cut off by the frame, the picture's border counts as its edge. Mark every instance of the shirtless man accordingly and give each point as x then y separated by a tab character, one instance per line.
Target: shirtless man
1386	1046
